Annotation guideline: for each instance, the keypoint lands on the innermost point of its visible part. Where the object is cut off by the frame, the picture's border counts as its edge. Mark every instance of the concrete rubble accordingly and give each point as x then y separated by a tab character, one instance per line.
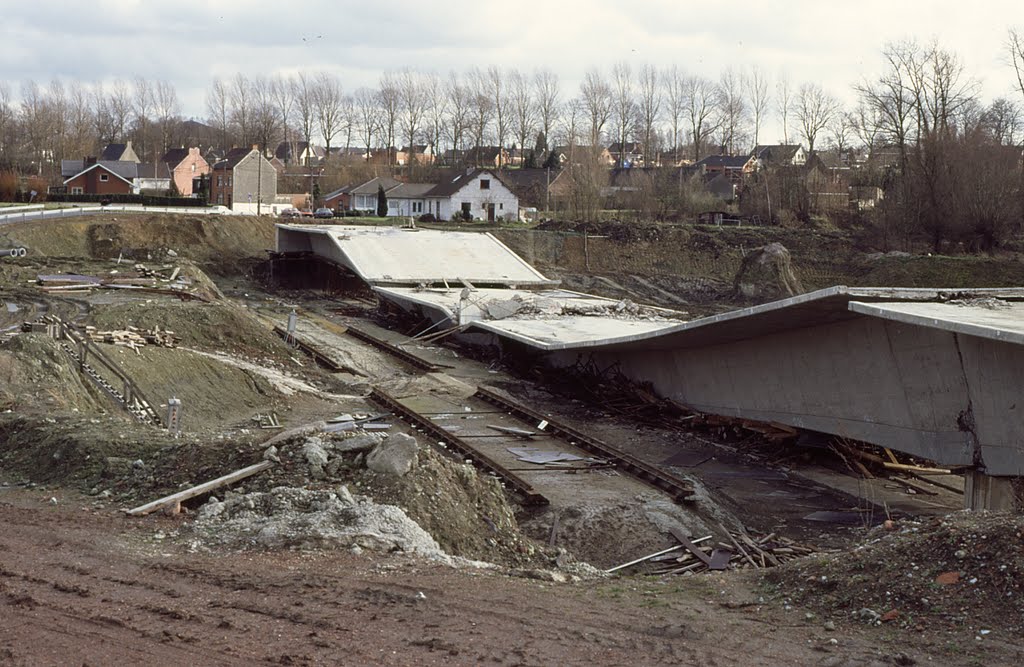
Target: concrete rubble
286	517
395	455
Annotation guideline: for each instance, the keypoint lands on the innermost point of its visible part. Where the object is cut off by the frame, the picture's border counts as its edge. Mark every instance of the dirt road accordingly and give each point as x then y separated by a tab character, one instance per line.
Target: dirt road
85	585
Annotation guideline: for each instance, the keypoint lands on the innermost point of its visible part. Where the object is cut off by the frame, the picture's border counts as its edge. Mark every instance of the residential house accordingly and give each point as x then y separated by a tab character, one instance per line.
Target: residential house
487	156
244	181
409	199
828	189
572	154
152	177
423	153
187	167
865	197
532	186
338	200
722	185
780	155
479	194
734	165
99	177
364	197
119	153
299	152
625	155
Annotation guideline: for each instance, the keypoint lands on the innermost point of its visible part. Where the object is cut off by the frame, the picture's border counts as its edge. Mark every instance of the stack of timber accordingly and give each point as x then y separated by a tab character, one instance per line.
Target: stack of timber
133	337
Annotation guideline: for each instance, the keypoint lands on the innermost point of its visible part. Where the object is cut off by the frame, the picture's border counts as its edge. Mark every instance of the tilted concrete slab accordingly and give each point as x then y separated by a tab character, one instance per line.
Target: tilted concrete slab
402	256
543	319
921	378
998	321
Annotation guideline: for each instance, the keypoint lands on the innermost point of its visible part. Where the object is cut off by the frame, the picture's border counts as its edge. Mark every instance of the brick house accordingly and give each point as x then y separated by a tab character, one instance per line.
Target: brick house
101	177
244	181
187	166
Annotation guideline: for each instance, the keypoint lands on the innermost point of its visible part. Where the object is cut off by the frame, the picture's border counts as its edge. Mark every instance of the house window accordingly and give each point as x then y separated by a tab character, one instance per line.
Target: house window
220	181
104	178
485	184
76	190
467	209
501	207
417	207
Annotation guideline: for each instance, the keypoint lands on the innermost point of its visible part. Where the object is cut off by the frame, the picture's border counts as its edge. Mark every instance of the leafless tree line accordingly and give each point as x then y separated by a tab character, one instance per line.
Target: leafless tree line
669	112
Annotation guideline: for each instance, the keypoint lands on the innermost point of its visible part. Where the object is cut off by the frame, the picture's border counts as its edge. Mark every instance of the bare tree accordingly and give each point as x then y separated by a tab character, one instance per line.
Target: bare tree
675	106
524	117
412	100
784	104
623	106
755	83
304	101
840	131
482	105
35	123
732	110
142	107
368	117
6	122
437	111
328	103
650	110
460	112
167	109
281	94
218	108
1015	45
596	96
1003	122
240	107
547	95
57	104
81	120
814	109
388	101
701	101
502	106
867	123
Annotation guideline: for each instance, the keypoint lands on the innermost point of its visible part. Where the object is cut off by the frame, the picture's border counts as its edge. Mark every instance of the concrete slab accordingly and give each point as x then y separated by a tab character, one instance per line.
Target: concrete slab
999	320
395	255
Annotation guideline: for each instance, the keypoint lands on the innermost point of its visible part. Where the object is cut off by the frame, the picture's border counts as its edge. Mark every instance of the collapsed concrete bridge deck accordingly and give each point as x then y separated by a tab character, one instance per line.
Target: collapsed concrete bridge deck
932	373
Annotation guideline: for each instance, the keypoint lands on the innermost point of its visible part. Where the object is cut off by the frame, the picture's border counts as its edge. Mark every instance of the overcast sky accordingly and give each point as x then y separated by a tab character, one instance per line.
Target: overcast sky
188	42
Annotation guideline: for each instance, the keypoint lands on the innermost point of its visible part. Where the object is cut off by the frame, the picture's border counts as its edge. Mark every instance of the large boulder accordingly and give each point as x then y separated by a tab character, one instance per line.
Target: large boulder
396	455
766	275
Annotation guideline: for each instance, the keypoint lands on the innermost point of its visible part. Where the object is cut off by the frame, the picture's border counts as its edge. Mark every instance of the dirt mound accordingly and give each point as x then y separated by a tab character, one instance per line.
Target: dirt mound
223	244
766	275
37	375
963	570
221	327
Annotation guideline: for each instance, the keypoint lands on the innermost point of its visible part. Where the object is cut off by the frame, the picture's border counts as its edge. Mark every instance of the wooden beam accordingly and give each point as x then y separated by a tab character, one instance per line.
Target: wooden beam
176	499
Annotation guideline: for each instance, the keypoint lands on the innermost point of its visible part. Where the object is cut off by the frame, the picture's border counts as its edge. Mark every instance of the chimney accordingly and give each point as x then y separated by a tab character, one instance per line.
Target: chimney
89	161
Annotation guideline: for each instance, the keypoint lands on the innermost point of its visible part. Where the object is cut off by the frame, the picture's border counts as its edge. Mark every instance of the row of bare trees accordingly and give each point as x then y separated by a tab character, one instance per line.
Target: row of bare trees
923	94
58	121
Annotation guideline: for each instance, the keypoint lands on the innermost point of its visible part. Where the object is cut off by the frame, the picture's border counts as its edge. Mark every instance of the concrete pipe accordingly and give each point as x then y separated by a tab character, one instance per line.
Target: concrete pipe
22	252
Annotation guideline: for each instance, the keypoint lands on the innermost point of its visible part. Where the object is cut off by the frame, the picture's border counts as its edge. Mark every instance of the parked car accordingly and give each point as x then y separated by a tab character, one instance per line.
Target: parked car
323	213
290	213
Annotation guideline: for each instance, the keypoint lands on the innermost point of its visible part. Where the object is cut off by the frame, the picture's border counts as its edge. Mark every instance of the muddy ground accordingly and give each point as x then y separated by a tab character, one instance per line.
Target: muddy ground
80	582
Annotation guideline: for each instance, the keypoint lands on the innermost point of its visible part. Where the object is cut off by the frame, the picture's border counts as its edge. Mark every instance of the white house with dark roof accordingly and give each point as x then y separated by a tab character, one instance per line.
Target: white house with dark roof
479	194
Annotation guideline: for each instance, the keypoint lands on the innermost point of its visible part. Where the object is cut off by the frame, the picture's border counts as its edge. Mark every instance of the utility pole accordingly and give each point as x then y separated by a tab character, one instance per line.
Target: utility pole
259	182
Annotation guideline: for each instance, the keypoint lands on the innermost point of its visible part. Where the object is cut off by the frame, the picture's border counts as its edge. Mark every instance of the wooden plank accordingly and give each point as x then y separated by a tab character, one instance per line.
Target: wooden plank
690	546
177	498
660	553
